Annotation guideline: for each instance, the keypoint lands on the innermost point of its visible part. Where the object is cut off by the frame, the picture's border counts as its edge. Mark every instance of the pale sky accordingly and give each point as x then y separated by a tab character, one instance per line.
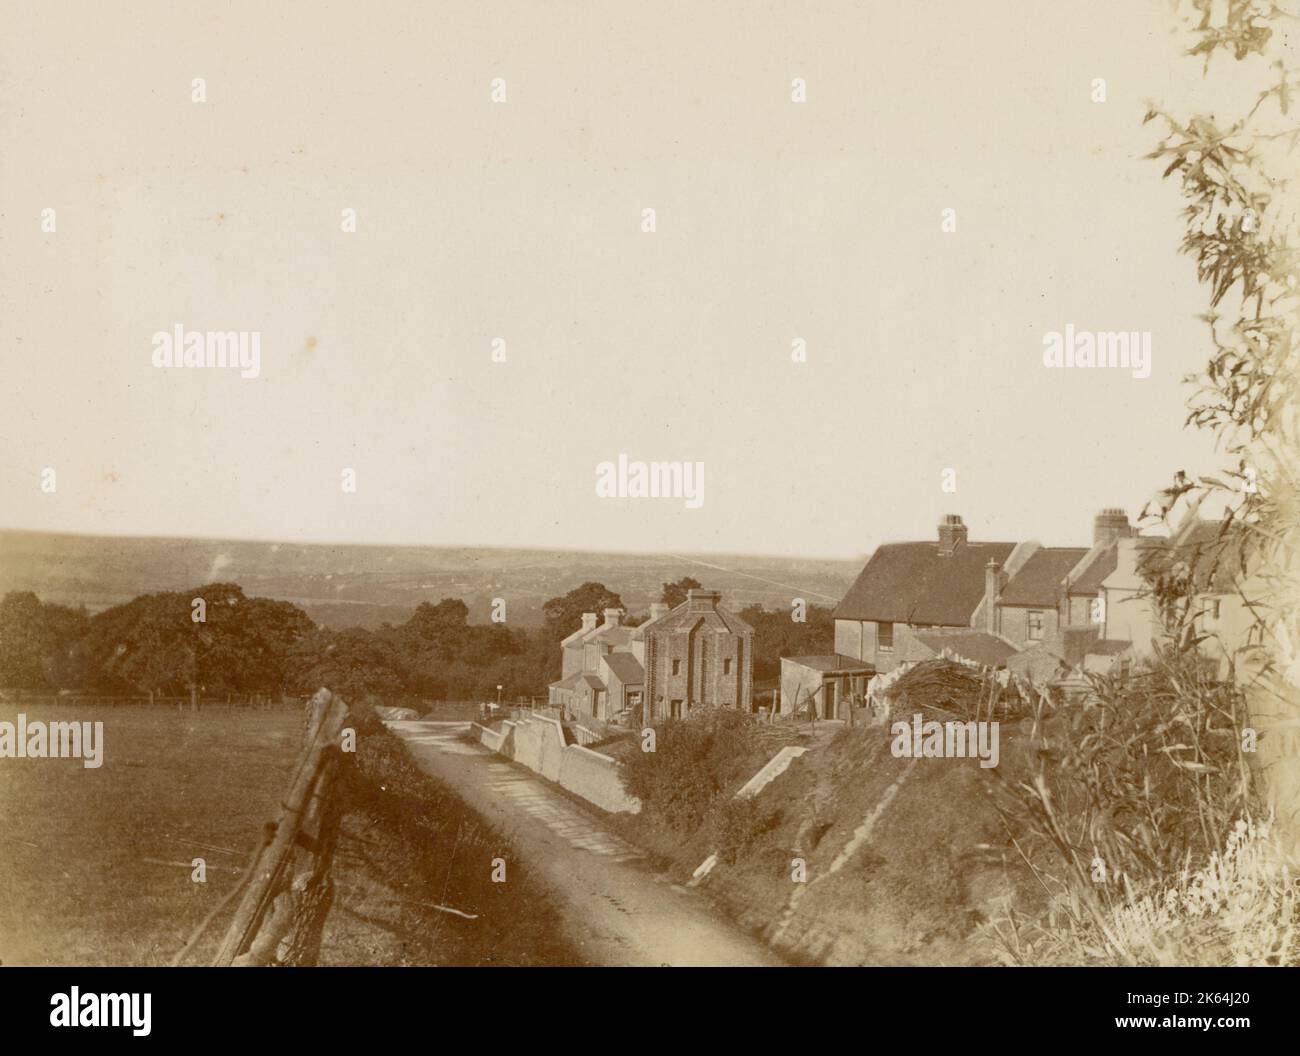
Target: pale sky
522	220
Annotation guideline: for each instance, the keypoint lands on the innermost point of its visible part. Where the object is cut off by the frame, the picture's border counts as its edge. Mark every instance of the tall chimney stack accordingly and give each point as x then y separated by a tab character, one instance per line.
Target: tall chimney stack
1109	525
702	600
588	621
613	617
658	610
951	532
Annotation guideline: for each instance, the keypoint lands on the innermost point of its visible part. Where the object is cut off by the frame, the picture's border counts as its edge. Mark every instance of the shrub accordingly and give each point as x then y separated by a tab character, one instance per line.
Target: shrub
1239	909
1146	782
737	825
694	760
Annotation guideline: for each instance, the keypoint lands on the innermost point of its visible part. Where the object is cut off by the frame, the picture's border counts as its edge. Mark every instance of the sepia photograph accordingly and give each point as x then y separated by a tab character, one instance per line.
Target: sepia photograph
561	484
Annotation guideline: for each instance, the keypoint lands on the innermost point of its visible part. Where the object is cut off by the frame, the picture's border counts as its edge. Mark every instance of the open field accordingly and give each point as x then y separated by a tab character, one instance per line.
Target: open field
343	586
95	863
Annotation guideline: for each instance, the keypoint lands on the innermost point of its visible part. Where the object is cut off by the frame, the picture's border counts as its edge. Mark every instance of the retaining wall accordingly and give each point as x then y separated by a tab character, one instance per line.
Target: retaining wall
538	743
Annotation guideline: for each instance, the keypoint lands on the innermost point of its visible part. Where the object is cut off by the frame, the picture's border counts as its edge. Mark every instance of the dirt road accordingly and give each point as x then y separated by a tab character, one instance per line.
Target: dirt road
617	909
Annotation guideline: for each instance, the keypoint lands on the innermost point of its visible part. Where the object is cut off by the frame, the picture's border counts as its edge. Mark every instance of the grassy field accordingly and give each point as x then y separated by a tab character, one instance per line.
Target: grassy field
95	863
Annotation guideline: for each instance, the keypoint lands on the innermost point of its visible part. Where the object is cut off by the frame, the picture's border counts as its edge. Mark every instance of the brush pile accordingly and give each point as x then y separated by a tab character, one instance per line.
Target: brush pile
954	688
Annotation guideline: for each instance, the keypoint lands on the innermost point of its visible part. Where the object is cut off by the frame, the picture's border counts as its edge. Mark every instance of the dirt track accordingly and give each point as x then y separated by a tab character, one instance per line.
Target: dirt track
617	909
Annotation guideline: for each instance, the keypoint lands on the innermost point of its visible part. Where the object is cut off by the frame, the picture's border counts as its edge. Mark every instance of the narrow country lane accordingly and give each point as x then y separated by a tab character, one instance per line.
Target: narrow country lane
617	910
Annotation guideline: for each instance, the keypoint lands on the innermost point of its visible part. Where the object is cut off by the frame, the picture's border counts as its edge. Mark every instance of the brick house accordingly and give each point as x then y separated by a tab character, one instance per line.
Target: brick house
694	655
910	588
700	654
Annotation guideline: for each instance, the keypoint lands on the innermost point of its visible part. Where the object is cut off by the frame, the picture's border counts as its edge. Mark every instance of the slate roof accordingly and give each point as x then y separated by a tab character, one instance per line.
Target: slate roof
683	618
626	667
915	583
614	636
1096	565
577	679
831	663
1039	580
980	646
573	639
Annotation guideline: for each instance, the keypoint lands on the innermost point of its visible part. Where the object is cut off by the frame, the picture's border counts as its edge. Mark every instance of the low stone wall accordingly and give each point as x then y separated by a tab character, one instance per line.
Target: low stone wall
538	743
596	778
488	737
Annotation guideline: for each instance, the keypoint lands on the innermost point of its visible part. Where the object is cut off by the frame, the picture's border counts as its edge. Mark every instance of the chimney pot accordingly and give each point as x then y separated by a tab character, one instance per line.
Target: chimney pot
1110	524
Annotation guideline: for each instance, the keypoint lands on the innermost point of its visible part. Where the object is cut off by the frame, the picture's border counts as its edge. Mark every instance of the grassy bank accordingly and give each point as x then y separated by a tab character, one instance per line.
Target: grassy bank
414	865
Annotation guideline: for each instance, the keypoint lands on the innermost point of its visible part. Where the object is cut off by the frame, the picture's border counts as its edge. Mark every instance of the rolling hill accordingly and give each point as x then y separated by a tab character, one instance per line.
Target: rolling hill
359	585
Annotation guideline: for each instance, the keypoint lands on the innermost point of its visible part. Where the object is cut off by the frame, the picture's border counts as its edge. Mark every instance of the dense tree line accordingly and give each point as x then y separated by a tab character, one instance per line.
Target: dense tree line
232	644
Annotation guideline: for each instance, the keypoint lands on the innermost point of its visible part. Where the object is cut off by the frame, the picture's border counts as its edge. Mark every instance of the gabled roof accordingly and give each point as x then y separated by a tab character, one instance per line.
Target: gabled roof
578	678
1039	581
979	646
576	638
1099	562
612	636
915	583
683	618
626	667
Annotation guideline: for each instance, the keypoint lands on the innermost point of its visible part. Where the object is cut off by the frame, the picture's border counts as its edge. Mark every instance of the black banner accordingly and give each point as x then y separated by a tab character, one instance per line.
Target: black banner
153	1005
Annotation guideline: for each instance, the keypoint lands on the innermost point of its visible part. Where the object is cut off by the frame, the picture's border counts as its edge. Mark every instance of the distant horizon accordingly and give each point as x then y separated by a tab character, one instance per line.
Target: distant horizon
527	548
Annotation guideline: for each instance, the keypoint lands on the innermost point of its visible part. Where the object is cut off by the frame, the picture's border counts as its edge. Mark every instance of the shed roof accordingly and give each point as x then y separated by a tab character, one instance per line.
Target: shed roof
979	646
831	663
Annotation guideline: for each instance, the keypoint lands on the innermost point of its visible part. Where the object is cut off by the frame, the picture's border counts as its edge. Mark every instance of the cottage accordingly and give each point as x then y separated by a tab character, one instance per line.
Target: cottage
698	654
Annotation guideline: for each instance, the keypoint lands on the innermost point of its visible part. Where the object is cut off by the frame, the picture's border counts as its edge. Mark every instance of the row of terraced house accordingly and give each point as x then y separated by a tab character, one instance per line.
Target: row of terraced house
1045	615
1048	616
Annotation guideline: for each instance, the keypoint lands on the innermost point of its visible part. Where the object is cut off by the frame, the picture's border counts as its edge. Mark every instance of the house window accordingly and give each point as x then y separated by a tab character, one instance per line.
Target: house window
1212	609
726	666
1034	623
677	667
884	636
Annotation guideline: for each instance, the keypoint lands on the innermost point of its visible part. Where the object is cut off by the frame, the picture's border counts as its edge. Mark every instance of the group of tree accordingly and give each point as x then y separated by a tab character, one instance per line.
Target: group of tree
219	641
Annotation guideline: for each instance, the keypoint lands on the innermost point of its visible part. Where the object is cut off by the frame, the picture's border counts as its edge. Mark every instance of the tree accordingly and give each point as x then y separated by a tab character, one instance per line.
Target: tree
675	593
563	615
1238	178
38	643
154	644
777	635
355	663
